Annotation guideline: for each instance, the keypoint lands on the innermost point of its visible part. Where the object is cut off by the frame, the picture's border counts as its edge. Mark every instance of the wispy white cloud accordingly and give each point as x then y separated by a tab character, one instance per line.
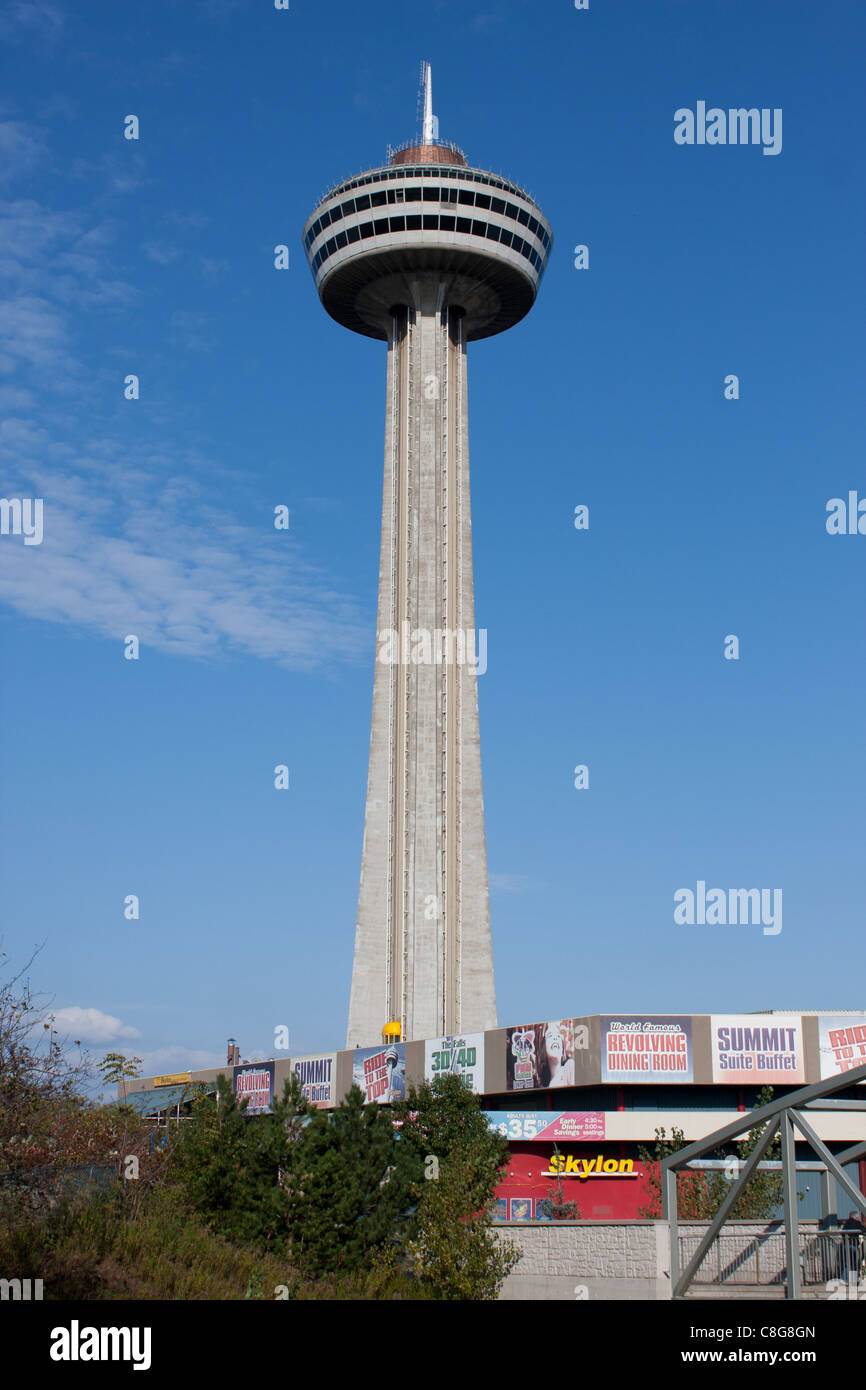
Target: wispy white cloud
159	252
134	541
128	552
23	19
90	1025
21	149
189	330
176	1058
509	883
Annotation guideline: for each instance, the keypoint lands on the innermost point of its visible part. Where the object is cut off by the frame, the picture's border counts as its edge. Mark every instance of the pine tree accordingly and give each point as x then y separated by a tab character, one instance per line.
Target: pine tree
351	1188
232	1168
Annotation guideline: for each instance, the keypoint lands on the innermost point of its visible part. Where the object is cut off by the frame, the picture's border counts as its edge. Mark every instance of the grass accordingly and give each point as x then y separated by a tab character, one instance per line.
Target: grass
92	1249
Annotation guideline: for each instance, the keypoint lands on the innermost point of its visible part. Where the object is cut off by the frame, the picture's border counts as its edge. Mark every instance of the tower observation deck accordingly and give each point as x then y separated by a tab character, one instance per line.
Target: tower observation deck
427	254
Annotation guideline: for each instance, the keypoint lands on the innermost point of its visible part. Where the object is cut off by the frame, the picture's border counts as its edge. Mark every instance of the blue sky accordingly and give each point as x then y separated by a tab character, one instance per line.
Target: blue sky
605	647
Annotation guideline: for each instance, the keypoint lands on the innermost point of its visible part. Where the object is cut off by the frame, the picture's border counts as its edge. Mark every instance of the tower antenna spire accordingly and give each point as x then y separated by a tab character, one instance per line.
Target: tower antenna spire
428	128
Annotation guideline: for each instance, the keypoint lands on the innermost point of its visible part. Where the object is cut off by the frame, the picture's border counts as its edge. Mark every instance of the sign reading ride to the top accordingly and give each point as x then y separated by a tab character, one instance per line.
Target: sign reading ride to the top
643	1048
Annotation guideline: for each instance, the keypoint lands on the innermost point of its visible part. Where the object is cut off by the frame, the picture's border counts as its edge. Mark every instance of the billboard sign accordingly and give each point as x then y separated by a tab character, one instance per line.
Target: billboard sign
842	1043
546	1124
380	1072
757	1048
644	1048
254	1083
461	1055
540	1055
318	1077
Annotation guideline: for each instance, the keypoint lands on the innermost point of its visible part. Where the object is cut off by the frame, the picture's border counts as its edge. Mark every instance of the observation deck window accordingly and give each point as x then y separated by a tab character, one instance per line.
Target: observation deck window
413	224
466	195
378	199
463	224
482	200
446	224
497	205
398	224
380	226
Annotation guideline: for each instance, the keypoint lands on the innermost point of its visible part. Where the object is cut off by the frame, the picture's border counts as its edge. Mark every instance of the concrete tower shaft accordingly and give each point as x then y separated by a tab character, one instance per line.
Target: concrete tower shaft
424	872
426	254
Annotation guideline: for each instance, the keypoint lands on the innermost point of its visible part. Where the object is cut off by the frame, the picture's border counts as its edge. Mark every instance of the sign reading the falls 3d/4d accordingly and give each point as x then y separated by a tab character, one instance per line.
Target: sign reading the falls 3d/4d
643	1048
461	1055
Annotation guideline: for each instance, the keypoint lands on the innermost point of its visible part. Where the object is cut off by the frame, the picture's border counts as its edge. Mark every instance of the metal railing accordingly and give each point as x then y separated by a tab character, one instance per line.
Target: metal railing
783	1119
737	1259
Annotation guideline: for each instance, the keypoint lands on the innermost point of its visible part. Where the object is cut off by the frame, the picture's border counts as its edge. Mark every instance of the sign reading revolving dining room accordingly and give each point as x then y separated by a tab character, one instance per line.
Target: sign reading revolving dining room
254	1083
646	1048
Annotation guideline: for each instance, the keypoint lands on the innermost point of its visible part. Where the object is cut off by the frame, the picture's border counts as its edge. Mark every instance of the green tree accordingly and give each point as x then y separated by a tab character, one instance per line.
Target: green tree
764	1192
441	1118
454	1249
701	1193
54	1141
232	1168
115	1068
561	1209
351	1188
692	1200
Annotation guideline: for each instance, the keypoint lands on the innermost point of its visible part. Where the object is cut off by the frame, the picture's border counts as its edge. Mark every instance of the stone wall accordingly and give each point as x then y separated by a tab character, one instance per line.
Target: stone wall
631	1259
588	1259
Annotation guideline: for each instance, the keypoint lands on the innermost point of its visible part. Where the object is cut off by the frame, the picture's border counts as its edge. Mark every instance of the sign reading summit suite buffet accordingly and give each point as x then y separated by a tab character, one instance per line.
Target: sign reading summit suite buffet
644	1048
317	1075
757	1048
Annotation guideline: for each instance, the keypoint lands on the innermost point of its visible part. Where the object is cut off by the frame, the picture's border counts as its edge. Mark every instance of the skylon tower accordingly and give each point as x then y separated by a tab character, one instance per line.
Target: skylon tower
427	254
